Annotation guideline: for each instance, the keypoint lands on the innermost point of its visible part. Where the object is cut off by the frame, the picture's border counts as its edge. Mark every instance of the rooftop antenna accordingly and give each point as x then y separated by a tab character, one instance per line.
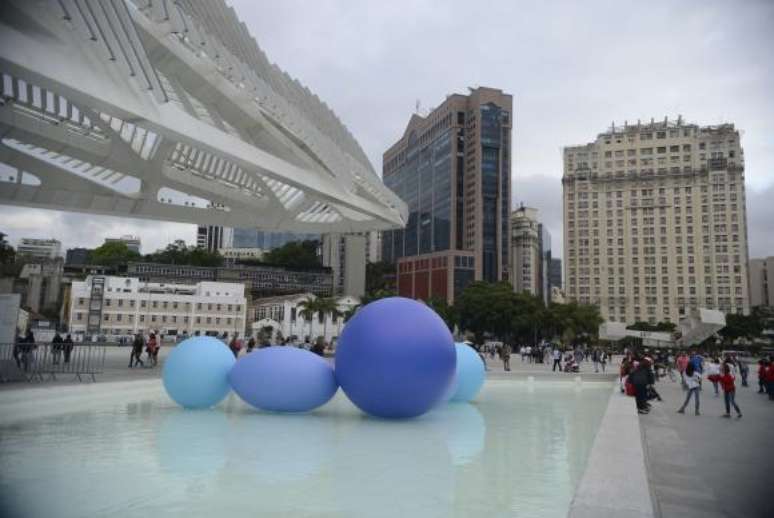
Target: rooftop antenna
416	107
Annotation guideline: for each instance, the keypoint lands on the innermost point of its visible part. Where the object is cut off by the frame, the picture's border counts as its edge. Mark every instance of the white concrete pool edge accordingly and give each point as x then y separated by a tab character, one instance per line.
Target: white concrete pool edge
615	481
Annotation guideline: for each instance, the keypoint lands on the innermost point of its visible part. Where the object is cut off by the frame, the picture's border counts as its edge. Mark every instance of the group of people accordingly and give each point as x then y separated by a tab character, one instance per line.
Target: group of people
151	347
24	346
639	373
235	344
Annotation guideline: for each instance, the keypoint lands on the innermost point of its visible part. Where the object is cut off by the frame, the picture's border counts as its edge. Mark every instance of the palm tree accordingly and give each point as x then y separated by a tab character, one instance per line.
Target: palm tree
327	306
307	310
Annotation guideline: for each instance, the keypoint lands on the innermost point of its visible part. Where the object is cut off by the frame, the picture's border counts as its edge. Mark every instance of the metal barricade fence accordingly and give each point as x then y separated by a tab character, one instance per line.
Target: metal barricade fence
36	361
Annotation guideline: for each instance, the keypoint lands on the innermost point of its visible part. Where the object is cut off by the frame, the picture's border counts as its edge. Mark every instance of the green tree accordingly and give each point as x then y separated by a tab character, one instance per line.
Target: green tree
444	310
113	253
484	308
573	321
327	306
529	316
179	253
7	253
375	295
742	326
296	254
380	276
307	308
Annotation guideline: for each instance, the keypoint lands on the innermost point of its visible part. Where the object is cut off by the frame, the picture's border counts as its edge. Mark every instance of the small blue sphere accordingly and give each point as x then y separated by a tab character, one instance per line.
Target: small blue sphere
395	358
196	372
283	379
470	373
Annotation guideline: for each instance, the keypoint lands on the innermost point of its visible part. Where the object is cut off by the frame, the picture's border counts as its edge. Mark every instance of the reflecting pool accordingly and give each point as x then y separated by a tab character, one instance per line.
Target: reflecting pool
126	450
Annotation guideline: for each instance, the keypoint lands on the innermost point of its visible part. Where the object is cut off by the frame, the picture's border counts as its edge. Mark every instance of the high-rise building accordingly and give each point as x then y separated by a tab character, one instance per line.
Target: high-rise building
347	255
452	167
39	248
525	251
133	243
555	273
655	223
544	245
762	282
77	256
214	237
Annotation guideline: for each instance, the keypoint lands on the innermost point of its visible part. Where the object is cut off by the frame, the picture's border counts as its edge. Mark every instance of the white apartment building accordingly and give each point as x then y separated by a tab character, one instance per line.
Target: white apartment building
283	314
347	256
655	223
39	248
123	306
525	251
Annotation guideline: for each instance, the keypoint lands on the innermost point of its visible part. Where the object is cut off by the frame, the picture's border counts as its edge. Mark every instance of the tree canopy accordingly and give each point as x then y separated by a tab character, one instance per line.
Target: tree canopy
180	253
7	253
113	253
296	254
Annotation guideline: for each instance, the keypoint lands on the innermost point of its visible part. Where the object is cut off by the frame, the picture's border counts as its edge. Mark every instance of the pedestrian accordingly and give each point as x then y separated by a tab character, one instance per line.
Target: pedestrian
56	347
68	347
505	354
744	371
770	378
557	356
235	345
639	378
729	392
251	344
319	347
603	359
153	349
27	348
713	373
697	360
595	359
692	380
137	346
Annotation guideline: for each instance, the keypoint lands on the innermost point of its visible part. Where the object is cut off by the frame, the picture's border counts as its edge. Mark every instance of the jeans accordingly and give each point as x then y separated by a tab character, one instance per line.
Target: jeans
692	391
730	400
641	396
557	363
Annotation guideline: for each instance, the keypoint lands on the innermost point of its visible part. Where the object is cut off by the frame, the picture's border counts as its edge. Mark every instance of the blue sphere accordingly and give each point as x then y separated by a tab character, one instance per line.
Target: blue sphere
395	358
470	373
196	372
283	379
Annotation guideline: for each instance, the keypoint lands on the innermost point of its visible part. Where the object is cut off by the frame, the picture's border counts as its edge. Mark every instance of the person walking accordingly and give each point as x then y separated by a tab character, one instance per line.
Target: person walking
770	378
557	356
56	347
595	358
603	359
729	392
713	374
692	380
505	354
744	371
251	344
137	346
639	378
153	350
67	347
762	365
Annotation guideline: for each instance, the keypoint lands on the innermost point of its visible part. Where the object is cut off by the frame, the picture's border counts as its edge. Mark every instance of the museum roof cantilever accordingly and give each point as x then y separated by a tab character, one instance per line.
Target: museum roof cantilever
170	110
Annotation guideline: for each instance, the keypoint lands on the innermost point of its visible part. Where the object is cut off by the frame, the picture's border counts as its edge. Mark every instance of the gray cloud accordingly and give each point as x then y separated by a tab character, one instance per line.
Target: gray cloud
573	68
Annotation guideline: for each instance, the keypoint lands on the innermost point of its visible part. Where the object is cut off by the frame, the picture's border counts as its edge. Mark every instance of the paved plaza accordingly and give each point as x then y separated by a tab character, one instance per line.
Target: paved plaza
708	466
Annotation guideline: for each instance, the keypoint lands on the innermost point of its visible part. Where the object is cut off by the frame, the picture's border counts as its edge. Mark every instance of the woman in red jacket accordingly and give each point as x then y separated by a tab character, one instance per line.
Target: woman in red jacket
729	391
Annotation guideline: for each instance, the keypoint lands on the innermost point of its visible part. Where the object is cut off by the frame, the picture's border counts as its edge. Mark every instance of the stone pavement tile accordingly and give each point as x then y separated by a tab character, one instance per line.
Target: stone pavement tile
678	510
592	511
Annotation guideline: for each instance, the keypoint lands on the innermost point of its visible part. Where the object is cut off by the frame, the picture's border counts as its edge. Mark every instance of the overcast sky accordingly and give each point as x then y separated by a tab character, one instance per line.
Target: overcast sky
572	67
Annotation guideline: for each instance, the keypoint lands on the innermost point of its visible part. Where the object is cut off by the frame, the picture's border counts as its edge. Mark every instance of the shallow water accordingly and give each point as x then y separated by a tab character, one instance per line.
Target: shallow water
518	451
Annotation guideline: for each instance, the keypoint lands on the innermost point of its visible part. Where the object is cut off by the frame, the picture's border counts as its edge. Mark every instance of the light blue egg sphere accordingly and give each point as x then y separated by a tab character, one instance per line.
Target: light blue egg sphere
283	379
470	373
196	372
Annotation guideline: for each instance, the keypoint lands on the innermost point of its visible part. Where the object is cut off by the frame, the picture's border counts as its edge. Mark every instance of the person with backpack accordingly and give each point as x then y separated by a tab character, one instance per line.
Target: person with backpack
640	377
729	392
692	380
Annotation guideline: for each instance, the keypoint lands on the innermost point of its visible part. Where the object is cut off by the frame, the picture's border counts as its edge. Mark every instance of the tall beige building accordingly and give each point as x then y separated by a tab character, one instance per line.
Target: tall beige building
762	282
655	223
525	251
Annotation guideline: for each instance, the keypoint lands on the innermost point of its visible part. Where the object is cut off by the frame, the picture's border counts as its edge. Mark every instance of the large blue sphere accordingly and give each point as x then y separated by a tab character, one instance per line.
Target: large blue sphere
283	379
470	373
395	358
196	372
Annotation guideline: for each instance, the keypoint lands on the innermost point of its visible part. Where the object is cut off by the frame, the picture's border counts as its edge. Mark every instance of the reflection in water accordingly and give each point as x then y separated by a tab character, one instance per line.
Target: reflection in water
519	450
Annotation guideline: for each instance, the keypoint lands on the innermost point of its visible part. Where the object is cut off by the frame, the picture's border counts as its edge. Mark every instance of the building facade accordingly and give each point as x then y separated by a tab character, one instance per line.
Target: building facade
284	315
260	281
762	282
655	223
452	168
77	256
347	255
39	248
126	305
234	253
525	251
133	243
214	237
555	273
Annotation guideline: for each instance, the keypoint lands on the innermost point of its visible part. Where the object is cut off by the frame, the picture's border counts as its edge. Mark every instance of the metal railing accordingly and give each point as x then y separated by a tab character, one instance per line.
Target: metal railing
42	361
